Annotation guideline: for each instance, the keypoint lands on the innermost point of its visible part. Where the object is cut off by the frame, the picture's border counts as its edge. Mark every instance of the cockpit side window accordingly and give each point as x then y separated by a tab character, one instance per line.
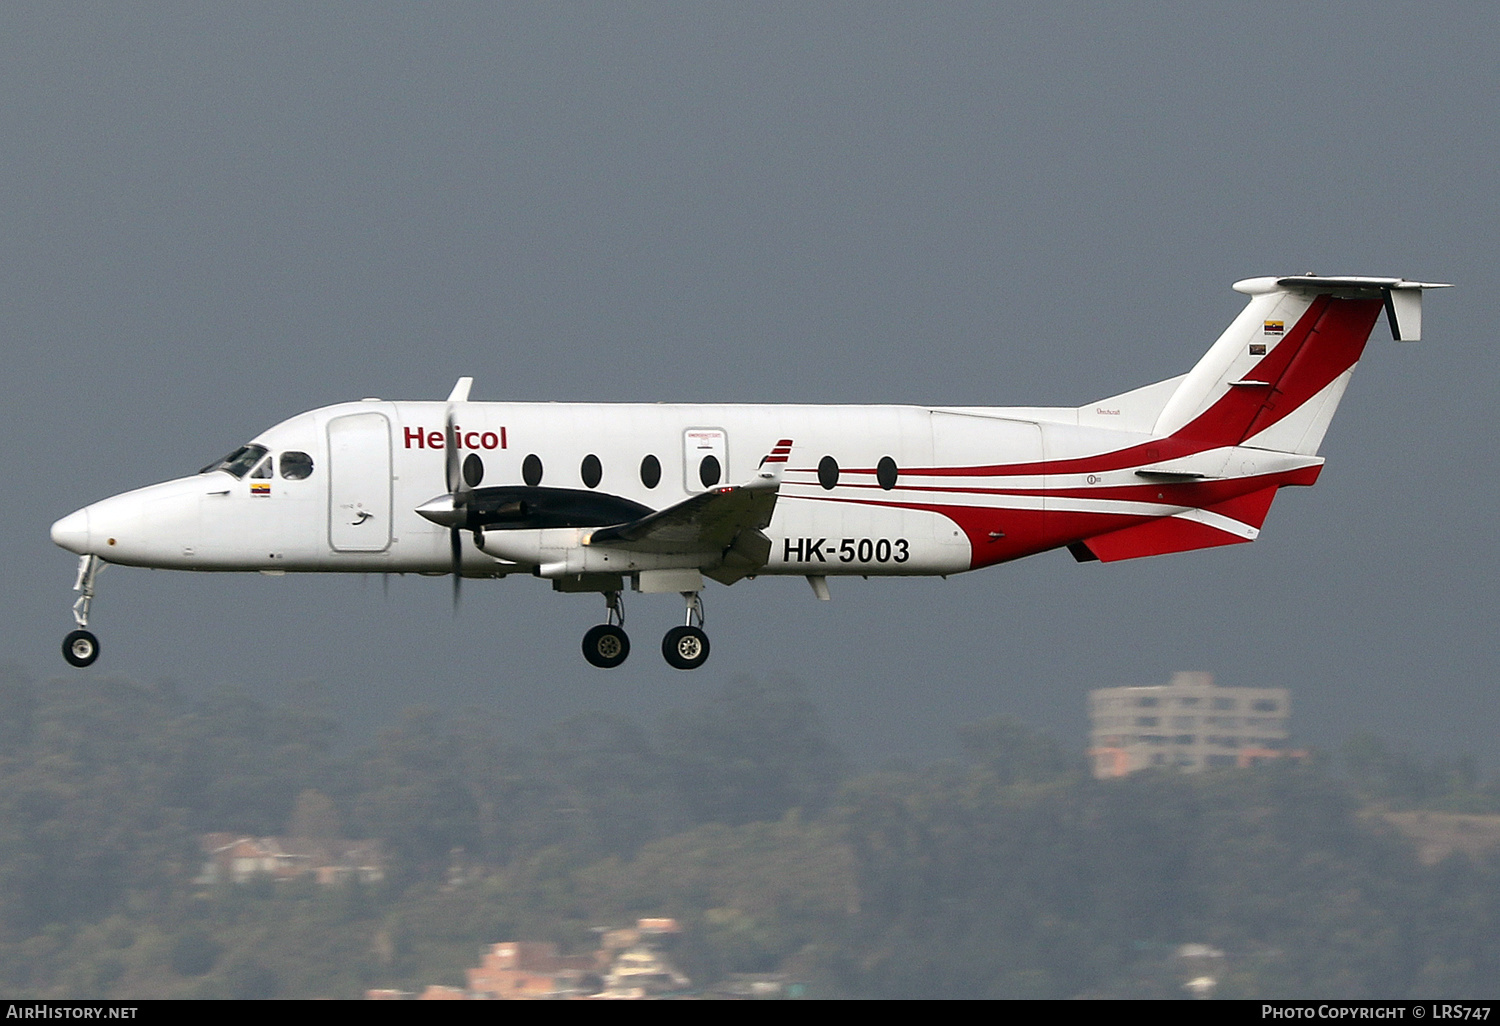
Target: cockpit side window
265	470
296	466
238	462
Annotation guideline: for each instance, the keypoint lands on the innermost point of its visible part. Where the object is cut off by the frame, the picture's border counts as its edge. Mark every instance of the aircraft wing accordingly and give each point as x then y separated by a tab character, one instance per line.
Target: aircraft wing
729	521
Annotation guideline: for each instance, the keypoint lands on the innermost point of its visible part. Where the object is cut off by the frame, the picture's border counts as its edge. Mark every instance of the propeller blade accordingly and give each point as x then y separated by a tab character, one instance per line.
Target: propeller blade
450	456
458	490
456	549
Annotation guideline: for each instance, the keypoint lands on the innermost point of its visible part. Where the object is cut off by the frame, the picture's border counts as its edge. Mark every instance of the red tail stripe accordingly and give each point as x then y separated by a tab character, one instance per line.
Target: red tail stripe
1327	340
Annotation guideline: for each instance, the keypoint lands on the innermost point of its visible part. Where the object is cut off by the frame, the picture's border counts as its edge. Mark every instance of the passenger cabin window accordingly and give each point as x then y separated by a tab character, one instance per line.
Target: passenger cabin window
709	472
531	470
473	470
828	472
296	466
591	471
237	463
650	471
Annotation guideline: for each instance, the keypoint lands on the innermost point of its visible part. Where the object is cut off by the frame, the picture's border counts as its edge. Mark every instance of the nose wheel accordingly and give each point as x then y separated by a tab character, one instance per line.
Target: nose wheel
80	648
607	645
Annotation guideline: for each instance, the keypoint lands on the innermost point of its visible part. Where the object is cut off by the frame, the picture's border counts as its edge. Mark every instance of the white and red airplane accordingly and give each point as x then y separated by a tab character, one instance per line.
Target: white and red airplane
605	497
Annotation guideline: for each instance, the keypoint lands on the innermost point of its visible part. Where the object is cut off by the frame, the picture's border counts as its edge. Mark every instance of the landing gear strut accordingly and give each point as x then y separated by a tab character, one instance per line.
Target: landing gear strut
686	647
80	648
606	645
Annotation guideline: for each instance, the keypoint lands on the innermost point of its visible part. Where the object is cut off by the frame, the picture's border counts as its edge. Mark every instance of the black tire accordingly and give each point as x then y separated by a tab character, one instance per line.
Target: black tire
80	648
685	648
606	646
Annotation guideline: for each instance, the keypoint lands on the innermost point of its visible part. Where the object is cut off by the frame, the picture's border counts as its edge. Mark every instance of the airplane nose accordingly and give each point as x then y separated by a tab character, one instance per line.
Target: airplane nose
72	532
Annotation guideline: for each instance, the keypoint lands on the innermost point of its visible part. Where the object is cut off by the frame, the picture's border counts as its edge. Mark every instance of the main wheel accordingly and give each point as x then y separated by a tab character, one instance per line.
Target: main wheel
80	648
606	646
685	648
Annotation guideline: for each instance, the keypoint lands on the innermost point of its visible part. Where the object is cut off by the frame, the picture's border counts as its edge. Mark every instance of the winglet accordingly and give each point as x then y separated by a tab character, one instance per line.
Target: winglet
769	473
460	393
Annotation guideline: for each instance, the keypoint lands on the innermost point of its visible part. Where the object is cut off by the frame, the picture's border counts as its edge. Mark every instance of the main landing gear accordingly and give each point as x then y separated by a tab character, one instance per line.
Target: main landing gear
80	648
684	648
607	645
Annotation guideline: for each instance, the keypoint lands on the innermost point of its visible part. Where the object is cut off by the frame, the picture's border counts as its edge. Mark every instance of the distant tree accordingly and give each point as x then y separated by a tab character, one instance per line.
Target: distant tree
239	765
596	782
315	817
1015	753
1399	778
752	752
414	794
750	896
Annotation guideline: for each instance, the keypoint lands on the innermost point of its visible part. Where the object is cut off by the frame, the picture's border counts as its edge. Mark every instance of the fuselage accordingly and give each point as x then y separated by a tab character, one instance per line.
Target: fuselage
869	490
657	497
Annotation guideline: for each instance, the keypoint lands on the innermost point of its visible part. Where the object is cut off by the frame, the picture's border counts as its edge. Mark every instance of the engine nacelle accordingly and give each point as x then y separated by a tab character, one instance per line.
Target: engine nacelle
561	552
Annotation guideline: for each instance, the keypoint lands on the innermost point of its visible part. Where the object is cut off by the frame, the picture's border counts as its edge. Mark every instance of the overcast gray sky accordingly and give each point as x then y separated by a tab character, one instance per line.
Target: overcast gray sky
213	217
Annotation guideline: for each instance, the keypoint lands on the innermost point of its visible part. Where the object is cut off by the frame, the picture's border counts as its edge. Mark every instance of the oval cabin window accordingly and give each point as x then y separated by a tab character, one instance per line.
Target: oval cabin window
473	470
709	471
828	472
531	470
650	471
591	471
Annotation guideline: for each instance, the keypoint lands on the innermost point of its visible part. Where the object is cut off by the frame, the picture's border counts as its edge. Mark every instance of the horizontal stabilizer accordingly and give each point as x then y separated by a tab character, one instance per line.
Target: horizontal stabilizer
1403	299
1228	523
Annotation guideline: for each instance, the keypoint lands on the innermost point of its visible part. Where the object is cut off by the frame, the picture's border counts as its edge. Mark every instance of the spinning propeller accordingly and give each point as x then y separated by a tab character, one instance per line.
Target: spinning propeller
452	509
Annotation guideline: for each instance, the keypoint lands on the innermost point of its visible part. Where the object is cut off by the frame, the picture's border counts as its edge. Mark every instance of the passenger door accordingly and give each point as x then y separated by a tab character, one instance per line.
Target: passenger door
359	483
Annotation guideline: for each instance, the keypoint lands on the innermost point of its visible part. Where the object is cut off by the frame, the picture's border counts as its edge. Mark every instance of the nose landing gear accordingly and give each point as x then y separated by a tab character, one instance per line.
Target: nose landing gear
606	645
80	648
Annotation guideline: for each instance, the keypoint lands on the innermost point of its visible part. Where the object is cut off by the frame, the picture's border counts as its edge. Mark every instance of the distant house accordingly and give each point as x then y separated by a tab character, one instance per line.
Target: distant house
238	859
628	964
521	970
438	992
1189	724
635	963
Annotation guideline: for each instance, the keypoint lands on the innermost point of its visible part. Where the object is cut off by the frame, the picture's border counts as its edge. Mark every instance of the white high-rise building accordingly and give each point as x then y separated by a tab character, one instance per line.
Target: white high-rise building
1189	723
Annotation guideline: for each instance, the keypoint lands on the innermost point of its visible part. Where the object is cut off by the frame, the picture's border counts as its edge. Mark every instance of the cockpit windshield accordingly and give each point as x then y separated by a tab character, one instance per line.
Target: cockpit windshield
237	462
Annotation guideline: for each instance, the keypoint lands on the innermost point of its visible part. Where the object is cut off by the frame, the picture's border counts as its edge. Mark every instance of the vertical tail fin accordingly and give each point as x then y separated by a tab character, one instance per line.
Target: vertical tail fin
1276	375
